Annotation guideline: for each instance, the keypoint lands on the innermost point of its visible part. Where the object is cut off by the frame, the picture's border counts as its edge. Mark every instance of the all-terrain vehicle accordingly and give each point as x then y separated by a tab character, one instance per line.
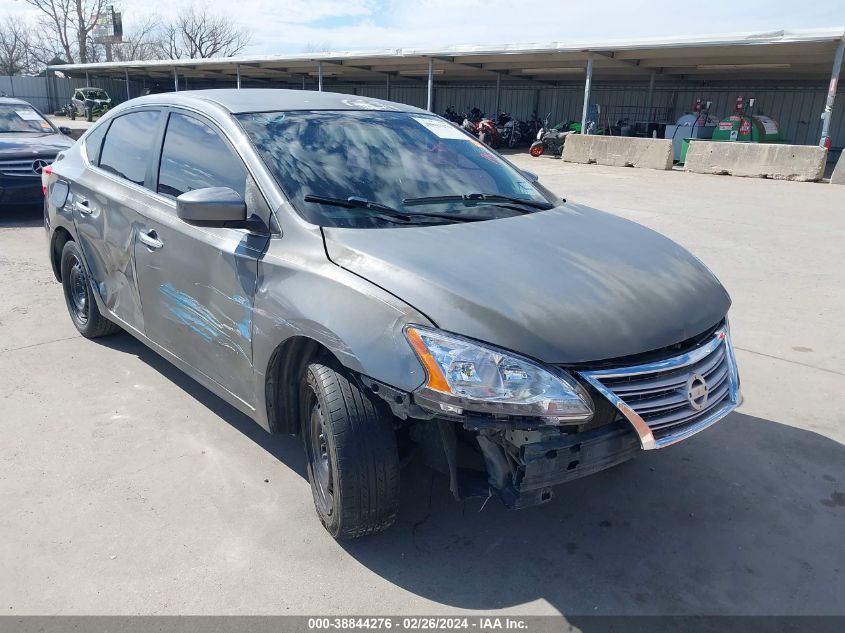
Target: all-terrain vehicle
88	103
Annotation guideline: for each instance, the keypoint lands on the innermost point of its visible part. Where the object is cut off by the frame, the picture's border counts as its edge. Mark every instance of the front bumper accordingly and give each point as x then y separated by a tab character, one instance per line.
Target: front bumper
564	458
20	191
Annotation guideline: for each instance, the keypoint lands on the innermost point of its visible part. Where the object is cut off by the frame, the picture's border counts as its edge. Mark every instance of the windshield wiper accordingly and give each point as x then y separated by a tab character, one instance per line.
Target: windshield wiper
479	197
354	202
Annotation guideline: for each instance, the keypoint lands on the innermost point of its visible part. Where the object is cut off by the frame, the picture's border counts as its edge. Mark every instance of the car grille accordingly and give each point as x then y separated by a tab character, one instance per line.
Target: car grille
22	166
671	399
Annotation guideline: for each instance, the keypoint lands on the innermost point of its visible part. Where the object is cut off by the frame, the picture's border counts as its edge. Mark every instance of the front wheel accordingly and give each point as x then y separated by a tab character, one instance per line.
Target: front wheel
350	448
537	149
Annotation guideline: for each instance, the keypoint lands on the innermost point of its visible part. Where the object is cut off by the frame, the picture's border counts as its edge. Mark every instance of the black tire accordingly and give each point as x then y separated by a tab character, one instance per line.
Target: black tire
72	114
79	296
350	448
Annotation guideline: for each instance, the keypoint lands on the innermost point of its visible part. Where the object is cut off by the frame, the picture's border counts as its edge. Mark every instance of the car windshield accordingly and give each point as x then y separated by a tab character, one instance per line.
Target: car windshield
23	118
94	93
331	164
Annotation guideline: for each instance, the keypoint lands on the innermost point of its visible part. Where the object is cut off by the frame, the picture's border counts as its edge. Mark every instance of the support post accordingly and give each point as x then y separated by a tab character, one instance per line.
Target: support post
498	93
238	71
430	97
650	100
126	76
320	76
303	82
175	80
387	98
87	82
831	95
587	85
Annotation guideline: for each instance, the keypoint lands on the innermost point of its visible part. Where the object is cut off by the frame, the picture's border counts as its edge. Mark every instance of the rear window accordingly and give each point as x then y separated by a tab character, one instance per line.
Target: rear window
128	147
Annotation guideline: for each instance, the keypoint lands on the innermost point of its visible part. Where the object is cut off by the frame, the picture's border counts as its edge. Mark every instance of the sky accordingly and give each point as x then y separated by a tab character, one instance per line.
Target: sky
291	26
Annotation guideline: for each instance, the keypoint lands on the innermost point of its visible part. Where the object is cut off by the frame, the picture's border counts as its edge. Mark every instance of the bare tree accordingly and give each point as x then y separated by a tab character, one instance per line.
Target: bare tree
142	42
16	48
197	32
71	23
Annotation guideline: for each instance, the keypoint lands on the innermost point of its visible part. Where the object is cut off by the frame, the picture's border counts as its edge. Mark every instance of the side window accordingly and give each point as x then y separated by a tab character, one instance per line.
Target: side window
195	157
94	142
128	147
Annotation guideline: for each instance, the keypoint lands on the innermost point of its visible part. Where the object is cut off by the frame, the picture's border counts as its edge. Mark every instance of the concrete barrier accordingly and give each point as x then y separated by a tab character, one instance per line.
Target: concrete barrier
757	160
618	151
838	175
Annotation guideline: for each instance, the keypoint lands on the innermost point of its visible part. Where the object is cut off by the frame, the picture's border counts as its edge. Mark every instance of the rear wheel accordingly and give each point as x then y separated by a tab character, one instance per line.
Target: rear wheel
79	296
350	447
537	149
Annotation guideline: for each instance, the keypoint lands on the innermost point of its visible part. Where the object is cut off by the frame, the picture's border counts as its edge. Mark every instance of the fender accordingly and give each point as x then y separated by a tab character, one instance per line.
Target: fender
336	309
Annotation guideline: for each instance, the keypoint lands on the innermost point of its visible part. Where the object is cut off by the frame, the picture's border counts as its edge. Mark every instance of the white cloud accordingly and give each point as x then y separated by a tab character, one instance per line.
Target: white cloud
294	25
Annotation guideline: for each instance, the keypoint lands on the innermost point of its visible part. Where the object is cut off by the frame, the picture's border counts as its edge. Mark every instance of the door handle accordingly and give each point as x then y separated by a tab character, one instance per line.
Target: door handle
81	205
150	239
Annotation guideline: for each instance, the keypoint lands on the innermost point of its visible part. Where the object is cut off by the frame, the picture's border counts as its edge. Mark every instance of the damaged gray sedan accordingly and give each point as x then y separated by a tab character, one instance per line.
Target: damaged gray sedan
368	276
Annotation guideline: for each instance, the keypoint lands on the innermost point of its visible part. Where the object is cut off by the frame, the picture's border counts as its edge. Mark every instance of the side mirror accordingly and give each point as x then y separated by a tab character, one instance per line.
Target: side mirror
530	175
212	206
65	130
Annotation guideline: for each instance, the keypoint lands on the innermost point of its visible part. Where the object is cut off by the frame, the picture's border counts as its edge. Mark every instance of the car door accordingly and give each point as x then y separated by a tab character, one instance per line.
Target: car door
106	199
197	284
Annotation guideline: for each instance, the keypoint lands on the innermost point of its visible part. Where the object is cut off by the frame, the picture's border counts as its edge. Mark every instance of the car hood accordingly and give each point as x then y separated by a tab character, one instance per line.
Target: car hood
570	285
52	144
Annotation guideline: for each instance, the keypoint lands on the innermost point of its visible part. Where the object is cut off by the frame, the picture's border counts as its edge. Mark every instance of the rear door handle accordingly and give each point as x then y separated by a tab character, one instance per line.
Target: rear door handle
81	205
150	239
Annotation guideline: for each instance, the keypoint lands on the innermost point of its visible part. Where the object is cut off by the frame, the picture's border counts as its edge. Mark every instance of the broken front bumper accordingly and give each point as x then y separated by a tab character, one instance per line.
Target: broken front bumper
540	465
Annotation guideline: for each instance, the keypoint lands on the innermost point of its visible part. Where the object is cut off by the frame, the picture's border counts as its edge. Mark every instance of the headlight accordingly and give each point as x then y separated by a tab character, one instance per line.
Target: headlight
465	375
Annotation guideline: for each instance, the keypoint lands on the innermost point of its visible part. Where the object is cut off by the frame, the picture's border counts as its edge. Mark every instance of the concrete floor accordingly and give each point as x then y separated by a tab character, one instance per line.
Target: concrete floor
127	488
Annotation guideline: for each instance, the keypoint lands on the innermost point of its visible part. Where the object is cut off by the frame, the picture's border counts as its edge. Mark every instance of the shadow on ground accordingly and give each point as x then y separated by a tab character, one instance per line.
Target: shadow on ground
21	216
745	518
284	448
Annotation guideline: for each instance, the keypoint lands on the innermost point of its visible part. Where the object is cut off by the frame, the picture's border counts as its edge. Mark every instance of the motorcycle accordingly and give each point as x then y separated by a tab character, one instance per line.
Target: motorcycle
471	121
511	130
551	139
488	133
452	115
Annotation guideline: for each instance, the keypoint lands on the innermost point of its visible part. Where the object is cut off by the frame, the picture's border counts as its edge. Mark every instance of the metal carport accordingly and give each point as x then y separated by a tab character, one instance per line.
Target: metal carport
771	61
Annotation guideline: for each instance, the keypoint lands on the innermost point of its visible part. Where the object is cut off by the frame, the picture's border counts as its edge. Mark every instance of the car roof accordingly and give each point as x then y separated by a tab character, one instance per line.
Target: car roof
268	100
14	101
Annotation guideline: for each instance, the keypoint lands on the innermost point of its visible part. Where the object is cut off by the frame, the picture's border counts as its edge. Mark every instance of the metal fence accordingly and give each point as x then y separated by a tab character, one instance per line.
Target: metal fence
796	107
51	94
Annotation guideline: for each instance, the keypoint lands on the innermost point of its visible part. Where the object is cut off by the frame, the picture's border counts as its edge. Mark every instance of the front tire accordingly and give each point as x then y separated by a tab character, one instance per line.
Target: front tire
79	296
350	448
537	149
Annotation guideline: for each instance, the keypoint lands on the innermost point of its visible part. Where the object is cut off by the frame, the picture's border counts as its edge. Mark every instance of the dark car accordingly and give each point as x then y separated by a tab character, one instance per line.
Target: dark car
369	276
28	143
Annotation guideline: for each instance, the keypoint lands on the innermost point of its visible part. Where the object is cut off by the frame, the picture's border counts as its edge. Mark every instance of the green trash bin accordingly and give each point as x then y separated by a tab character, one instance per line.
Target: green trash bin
684	148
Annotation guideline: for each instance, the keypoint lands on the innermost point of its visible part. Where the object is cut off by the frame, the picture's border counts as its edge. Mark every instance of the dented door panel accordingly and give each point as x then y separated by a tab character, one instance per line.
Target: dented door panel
106	222
197	291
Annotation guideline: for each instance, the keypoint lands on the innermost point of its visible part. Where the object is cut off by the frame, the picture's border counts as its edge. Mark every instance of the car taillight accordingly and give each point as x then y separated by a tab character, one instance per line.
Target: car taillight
45	176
